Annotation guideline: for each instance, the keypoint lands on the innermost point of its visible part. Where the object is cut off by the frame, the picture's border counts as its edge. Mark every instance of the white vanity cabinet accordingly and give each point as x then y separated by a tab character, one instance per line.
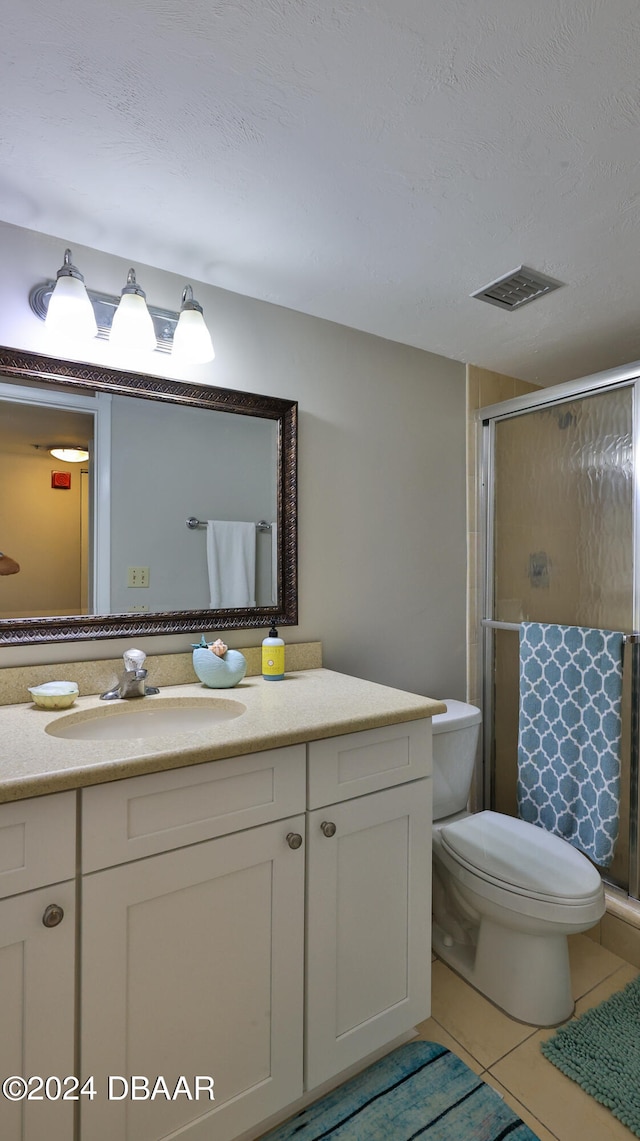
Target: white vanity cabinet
37	964
250	927
192	958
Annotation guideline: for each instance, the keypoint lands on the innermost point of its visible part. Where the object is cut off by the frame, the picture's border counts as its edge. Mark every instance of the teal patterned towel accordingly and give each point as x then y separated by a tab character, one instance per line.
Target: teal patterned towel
569	734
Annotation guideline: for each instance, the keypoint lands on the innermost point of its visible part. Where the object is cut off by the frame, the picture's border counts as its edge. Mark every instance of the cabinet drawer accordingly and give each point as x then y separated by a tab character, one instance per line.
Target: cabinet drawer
128	819
37	842
356	763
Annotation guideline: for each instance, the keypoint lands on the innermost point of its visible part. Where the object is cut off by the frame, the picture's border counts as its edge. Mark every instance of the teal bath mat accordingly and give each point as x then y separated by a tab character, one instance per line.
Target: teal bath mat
420	1090
600	1050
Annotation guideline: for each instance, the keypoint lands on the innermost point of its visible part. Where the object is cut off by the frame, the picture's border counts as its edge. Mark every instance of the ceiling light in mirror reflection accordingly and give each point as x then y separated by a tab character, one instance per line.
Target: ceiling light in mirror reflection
68	454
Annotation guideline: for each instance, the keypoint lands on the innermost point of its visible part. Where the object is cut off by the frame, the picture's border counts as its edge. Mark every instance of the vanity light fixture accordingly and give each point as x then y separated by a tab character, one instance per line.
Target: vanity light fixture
71	310
191	341
132	328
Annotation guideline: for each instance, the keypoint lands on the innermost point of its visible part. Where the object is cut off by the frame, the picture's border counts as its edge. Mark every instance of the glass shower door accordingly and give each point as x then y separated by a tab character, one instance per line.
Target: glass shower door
560	549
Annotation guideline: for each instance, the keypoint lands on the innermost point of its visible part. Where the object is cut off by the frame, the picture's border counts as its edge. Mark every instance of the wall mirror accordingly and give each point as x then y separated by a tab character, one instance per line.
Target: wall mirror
182	517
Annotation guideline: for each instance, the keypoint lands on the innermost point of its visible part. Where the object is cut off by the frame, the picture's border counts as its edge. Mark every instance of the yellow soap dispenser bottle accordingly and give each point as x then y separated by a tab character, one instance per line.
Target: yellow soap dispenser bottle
273	657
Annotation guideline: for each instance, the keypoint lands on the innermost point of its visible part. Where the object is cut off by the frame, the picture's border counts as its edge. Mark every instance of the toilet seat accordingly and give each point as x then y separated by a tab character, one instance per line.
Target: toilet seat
520	859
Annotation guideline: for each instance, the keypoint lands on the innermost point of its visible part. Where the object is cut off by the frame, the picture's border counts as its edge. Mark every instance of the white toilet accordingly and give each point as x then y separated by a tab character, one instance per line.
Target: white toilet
505	893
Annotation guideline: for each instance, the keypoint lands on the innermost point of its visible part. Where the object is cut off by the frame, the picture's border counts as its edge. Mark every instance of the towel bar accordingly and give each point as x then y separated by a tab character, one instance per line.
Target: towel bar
192	523
492	624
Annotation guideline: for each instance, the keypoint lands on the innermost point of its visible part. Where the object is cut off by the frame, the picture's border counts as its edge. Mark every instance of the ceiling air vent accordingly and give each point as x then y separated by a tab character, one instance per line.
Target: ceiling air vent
517	288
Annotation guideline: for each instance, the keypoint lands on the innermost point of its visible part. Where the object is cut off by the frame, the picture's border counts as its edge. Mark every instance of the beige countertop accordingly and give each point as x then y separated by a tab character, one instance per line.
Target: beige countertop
305	706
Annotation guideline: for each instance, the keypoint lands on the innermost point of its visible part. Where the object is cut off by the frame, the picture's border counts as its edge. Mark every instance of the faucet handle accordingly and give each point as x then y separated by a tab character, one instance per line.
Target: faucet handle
133	659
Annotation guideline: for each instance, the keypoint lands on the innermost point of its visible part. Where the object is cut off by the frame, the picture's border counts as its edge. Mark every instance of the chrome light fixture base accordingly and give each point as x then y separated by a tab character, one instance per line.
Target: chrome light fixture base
104	306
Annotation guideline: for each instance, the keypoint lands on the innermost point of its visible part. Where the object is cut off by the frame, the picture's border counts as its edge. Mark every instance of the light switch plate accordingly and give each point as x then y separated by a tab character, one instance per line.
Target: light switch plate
138	576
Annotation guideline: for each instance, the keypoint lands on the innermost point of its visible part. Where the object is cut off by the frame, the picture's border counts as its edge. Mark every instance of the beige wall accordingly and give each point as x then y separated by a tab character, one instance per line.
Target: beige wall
382	553
42	524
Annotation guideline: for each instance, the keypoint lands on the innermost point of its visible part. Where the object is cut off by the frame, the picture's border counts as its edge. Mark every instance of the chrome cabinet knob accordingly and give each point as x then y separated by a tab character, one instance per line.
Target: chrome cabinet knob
294	839
328	828
53	915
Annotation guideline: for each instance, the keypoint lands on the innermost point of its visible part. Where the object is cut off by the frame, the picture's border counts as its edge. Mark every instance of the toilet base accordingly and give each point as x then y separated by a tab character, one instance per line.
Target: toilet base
526	975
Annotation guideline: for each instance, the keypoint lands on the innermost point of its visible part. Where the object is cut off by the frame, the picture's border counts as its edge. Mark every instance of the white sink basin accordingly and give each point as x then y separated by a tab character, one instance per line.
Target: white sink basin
146	717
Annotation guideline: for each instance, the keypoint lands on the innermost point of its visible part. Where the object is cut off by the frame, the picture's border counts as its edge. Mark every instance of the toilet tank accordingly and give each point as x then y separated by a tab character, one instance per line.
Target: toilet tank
455	740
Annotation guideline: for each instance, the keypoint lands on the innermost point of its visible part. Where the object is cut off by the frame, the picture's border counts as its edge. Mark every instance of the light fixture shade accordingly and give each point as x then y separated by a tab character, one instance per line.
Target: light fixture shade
192	342
69	454
132	327
70	312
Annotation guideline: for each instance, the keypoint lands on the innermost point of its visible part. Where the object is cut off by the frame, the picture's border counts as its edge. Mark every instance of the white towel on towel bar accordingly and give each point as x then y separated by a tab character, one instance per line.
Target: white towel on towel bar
231	559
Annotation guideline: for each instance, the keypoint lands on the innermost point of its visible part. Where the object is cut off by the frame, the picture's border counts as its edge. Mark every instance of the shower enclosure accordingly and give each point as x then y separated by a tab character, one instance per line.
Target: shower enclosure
561	512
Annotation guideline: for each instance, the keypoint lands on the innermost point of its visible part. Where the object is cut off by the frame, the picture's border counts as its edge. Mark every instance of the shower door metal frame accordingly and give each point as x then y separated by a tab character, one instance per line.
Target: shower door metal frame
628	376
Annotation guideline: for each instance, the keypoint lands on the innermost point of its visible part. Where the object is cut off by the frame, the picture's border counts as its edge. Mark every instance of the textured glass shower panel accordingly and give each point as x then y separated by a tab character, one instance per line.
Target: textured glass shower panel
562	549
563	513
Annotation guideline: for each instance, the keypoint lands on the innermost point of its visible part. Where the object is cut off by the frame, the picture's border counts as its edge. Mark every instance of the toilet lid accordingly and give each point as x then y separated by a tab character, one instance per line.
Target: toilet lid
521	856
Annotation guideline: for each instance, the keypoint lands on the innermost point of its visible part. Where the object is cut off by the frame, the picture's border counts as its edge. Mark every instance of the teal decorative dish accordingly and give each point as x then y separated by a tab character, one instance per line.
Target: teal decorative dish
218	671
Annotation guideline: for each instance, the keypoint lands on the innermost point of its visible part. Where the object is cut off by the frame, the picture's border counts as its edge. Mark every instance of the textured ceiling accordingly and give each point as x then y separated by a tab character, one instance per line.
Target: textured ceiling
371	162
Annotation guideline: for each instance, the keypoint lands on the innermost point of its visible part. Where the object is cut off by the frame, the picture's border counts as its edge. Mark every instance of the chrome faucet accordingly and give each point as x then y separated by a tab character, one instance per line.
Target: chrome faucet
132	679
131	684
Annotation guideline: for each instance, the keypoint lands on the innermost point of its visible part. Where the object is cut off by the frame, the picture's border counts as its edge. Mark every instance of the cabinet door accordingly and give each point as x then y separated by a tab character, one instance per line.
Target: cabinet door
368	939
37	1005
193	965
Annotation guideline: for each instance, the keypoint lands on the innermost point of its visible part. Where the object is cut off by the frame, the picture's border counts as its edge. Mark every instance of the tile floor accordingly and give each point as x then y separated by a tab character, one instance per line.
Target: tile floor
507	1054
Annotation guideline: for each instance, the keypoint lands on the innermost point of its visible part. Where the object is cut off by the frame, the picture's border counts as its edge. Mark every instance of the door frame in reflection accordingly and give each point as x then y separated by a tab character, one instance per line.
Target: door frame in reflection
98	555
